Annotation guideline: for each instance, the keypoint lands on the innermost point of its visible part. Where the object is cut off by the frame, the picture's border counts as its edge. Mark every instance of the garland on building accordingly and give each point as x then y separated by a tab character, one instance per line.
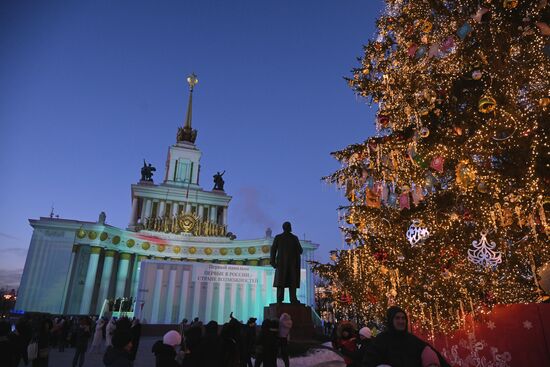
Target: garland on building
449	203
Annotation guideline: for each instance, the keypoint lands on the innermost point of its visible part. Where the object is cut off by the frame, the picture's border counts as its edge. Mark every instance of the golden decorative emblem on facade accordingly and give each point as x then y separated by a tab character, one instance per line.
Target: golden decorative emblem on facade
185	223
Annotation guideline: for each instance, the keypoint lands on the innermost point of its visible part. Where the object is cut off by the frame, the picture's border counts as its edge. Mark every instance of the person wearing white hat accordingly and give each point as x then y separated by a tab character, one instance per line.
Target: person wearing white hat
165	349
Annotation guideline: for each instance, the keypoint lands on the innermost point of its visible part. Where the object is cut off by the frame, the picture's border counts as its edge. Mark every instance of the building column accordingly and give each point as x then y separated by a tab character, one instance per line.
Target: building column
105	278
224	208
213	213
68	278
156	296
89	283
122	274
175	207
200	211
170	297
148	207
183	295
135	277
133	216
187	208
162	205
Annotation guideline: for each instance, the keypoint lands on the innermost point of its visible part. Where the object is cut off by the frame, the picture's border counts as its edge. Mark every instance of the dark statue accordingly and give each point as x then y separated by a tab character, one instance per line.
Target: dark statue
285	258
218	181
147	172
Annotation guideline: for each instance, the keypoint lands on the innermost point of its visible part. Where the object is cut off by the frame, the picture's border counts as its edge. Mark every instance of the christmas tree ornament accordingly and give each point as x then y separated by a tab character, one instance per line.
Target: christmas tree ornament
372	198
424	25
383	120
416	234
465	175
424	132
483	253
544	101
464	30
421	51
404	200
487	104
544	28
411	50
482	187
510	4
477	74
437	163
479	14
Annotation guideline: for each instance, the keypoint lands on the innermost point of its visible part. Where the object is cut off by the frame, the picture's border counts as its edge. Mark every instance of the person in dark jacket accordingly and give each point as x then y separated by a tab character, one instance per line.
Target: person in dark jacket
164	350
82	337
267	345
210	348
397	347
285	258
135	330
249	341
118	354
230	345
42	336
7	347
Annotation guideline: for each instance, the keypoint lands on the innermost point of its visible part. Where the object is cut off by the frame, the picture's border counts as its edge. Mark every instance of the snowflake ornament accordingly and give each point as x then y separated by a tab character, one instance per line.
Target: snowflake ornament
483	253
416	234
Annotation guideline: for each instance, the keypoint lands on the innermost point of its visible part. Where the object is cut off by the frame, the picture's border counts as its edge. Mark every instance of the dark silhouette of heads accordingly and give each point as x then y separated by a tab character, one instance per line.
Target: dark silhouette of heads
287	227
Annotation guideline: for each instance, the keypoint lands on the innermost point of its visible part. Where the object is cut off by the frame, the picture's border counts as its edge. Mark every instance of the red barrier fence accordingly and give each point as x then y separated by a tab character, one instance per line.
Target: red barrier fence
509	336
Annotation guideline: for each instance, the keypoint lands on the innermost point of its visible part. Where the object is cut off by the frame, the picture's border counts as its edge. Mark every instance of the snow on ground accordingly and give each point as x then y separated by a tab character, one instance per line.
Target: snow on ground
316	358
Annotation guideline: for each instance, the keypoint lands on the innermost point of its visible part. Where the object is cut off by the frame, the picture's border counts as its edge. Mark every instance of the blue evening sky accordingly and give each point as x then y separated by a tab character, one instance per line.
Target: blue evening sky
90	88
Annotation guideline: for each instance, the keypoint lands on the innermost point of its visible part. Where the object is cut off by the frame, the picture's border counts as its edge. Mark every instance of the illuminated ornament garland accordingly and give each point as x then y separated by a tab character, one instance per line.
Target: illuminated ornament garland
483	253
416	234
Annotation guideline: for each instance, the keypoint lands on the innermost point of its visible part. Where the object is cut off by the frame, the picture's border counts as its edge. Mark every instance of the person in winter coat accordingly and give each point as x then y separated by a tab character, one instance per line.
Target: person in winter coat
230	345
164	350
135	330
42	337
249	341
398	348
82	337
118	354
109	331
210	348
354	353
7	347
285	258
285	324
267	344
99	338
347	343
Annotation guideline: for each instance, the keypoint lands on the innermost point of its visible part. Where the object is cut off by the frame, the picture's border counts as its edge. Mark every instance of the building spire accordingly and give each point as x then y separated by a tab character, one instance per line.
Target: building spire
187	133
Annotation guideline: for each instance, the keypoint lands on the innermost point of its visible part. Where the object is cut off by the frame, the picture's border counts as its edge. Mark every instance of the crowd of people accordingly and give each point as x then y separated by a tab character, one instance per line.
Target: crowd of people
233	344
34	336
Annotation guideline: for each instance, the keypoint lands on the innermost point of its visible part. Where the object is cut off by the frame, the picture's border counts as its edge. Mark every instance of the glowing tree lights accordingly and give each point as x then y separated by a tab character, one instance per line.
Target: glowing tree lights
462	89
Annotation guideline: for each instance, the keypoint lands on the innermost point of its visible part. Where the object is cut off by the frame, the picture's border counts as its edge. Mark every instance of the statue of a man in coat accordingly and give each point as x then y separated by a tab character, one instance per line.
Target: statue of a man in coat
285	258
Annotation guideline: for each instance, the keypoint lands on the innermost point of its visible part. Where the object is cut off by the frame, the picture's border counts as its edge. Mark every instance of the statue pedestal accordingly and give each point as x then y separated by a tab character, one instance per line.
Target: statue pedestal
302	320
145	182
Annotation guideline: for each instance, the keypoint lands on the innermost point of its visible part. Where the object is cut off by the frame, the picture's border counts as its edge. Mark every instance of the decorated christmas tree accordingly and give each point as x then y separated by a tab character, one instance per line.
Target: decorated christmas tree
448	203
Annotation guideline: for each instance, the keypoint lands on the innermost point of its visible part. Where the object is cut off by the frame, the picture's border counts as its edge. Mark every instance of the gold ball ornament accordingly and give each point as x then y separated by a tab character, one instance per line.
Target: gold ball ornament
265	249
116	240
176	249
81	233
208	251
146	246
424	132
192	250
482	187
103	236
130	243
161	248
510	4
223	251
92	235
477	74
238	251
487	104
252	250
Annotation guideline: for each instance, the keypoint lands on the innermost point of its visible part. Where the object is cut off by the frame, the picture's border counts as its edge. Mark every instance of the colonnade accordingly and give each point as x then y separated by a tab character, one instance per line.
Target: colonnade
146	206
